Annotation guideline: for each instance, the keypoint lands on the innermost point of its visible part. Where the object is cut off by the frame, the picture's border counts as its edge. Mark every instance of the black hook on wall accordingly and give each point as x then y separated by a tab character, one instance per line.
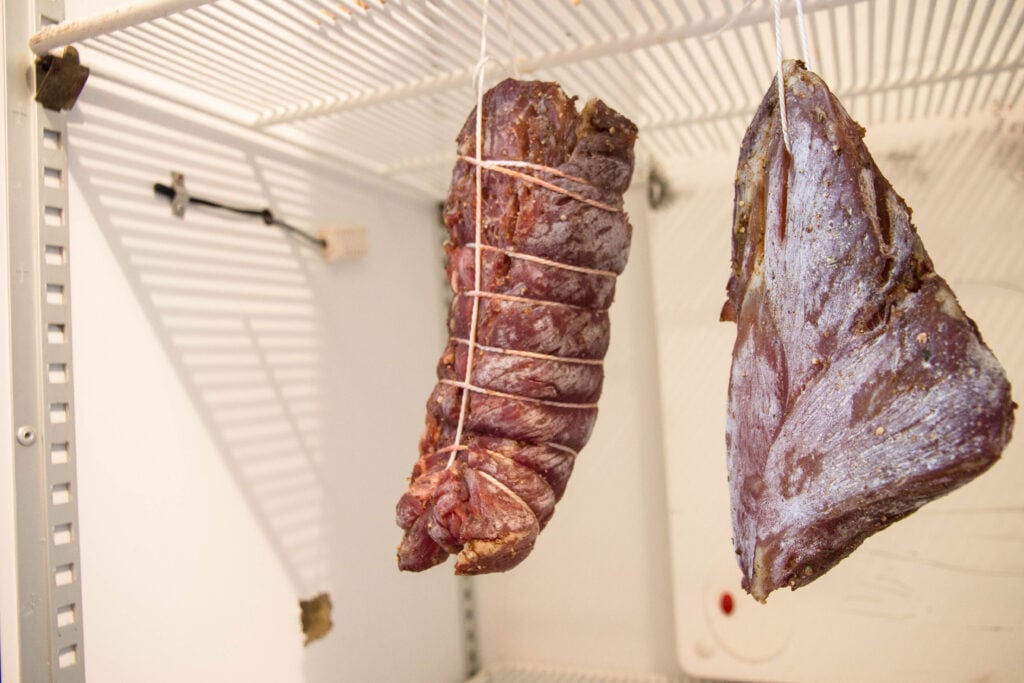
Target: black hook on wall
180	198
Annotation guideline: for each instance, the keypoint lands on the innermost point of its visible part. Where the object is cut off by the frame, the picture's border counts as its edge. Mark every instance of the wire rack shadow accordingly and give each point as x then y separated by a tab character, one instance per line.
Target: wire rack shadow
233	305
326	75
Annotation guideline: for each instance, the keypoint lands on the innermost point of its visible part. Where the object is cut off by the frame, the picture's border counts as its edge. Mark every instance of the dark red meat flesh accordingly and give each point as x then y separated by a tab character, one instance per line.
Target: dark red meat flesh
860	390
488	503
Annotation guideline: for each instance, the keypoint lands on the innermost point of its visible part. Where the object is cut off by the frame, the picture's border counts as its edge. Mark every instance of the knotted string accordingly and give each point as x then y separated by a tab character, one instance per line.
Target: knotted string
506	167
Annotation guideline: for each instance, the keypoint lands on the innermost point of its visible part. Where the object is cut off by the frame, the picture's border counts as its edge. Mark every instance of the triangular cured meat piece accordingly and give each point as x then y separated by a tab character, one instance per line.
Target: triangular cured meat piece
859	390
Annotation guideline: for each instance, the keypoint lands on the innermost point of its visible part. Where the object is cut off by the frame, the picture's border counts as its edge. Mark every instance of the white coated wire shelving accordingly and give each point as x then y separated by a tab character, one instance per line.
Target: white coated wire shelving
383	86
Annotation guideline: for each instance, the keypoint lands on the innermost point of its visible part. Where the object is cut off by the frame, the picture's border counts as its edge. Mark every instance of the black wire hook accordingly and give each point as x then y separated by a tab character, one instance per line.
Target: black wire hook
180	198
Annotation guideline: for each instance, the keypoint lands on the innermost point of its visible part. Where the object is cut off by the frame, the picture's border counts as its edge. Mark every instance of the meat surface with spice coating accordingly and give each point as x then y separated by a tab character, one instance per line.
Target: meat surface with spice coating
551	240
860	390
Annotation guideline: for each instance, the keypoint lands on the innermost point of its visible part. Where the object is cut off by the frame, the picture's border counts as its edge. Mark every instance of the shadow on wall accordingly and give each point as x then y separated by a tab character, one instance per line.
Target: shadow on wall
310	380
232	302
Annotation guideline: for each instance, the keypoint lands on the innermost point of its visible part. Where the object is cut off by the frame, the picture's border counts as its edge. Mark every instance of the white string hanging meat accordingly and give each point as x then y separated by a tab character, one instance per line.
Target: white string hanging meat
537	235
860	390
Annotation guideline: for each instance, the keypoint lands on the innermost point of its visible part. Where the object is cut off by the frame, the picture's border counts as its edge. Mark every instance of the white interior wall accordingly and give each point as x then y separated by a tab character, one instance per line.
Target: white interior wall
157	464
246	414
185	548
596	593
178	581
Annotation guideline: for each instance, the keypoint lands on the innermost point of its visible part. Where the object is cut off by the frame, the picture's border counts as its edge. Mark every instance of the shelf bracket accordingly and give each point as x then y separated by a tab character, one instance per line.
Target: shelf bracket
60	80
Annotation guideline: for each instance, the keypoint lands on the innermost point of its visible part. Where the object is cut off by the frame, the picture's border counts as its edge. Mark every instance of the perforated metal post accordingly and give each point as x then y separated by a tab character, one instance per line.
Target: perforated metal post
48	559
467	615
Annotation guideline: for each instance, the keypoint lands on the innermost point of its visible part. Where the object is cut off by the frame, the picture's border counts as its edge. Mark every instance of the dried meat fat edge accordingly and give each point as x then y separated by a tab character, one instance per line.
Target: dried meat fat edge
859	390
548	265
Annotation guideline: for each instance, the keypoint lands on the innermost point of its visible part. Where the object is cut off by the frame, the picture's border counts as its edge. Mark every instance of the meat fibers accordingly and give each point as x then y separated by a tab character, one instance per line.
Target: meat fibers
860	390
552	239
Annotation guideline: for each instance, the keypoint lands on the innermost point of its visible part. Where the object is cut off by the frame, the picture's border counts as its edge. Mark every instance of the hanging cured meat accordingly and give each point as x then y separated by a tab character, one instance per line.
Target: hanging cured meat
519	380
860	390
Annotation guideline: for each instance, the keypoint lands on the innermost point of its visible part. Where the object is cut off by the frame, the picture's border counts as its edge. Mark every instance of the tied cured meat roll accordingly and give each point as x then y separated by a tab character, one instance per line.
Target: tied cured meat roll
860	390
520	377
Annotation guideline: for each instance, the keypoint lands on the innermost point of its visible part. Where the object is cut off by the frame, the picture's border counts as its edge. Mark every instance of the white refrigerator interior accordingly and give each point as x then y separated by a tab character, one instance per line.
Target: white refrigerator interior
246	414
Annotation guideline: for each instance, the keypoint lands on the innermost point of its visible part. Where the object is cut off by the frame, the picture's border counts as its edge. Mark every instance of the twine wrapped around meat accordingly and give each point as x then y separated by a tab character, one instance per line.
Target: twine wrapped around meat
533	270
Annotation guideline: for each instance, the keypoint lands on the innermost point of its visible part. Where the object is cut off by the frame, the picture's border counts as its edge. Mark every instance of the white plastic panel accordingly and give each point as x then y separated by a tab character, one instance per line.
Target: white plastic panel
595	592
936	597
525	673
248	412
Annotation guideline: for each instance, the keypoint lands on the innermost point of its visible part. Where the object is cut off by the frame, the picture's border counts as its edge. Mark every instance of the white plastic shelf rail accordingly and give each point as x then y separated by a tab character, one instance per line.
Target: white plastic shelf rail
383	86
526	673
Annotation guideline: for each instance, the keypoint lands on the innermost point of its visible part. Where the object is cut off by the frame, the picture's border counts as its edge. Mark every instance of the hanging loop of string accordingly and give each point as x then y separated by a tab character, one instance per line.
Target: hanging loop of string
802	27
734	16
524	172
513	50
479	73
779	78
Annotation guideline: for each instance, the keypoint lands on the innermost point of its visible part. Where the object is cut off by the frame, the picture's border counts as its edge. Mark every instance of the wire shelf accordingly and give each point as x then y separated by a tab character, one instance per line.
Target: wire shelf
527	673
386	84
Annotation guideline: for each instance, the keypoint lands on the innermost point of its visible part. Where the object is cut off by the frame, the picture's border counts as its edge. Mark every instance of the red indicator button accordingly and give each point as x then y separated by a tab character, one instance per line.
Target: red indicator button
725	603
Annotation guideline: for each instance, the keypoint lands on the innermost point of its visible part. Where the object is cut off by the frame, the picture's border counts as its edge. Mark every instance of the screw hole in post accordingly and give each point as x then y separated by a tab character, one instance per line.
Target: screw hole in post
26	435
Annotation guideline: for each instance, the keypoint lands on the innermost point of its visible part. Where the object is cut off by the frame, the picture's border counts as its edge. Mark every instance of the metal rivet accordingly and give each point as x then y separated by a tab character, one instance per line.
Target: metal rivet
26	435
